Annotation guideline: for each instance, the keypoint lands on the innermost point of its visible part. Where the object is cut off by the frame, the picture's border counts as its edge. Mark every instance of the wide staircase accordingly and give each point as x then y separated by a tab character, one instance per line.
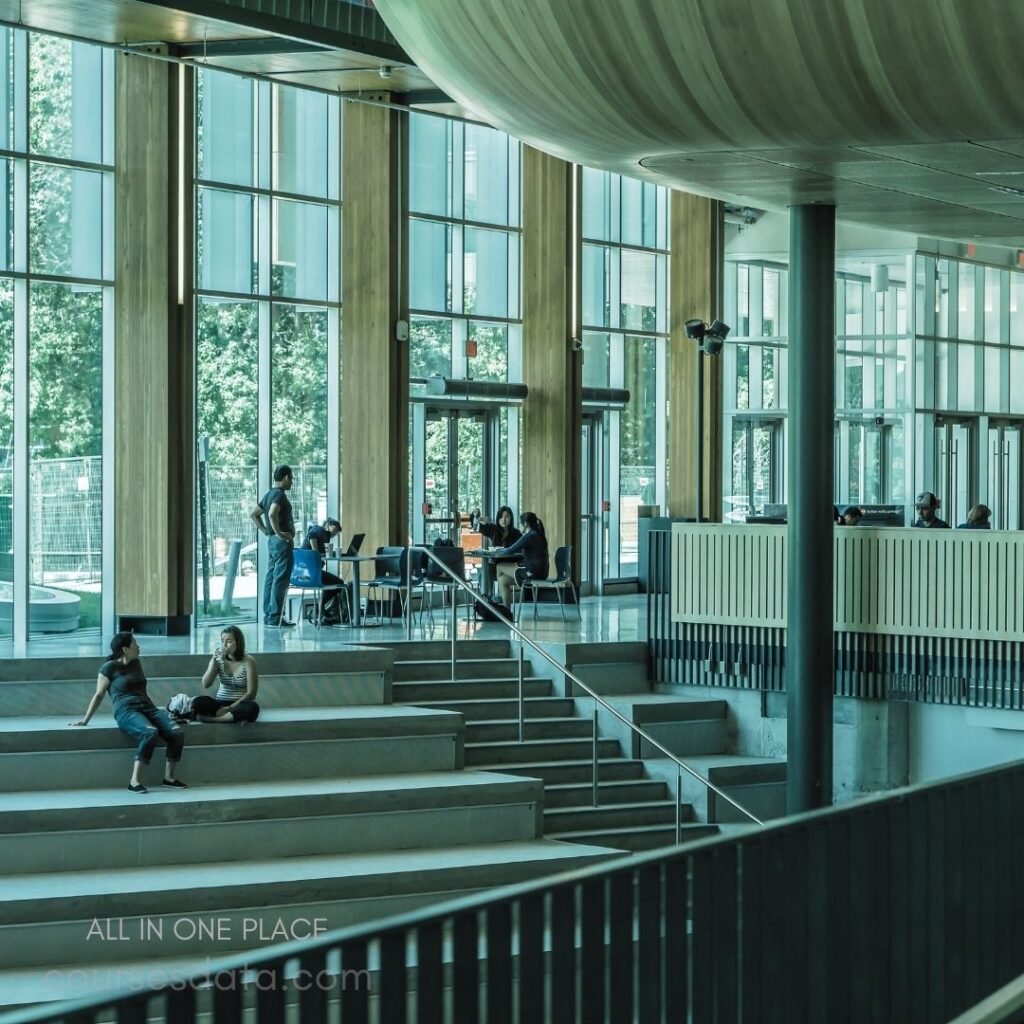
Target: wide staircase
634	811
335	808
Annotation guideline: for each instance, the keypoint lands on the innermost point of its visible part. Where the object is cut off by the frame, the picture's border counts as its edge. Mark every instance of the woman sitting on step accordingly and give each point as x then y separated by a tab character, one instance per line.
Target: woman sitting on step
122	677
239	681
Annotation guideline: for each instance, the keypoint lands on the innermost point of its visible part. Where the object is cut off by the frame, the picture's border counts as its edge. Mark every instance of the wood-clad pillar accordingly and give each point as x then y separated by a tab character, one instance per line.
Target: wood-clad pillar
374	364
551	369
154	438
695	290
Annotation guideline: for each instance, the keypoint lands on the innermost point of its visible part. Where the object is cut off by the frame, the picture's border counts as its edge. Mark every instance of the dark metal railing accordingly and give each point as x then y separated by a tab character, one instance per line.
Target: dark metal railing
895	908
524	641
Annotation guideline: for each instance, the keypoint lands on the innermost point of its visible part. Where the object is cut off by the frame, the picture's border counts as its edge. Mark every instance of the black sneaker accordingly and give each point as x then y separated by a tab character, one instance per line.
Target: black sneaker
282	623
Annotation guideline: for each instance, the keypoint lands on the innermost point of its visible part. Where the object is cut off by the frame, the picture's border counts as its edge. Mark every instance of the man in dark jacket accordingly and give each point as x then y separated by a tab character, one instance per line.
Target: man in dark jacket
927	503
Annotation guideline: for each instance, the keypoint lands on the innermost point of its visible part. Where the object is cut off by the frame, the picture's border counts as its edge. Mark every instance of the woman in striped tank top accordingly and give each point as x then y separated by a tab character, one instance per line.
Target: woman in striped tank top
238	681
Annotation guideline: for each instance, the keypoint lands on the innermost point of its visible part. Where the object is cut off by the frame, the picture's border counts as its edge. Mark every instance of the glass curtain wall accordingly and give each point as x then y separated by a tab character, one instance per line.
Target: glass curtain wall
625	322
464	301
56	305
267	316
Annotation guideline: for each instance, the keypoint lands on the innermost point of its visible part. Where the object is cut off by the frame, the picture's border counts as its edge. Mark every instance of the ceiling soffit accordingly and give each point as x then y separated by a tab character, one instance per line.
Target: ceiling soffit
882	108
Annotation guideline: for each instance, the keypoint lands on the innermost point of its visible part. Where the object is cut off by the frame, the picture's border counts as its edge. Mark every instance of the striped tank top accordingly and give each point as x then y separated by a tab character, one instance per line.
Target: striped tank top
231	687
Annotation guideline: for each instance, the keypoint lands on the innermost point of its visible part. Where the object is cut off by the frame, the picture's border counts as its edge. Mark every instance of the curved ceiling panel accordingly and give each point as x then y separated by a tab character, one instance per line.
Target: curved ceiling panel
867	103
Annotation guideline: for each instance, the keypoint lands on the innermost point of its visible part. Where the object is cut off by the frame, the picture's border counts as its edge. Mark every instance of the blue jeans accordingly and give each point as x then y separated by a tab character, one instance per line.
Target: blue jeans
145	722
280	556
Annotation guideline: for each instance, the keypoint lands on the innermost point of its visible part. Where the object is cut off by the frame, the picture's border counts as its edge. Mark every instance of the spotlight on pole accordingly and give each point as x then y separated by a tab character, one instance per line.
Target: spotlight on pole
695	329
714	336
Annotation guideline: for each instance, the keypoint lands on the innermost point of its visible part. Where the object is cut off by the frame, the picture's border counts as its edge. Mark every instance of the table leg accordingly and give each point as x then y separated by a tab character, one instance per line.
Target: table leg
357	617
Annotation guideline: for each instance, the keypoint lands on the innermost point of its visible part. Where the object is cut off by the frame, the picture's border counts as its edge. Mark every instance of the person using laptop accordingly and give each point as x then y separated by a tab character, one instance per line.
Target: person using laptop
319	538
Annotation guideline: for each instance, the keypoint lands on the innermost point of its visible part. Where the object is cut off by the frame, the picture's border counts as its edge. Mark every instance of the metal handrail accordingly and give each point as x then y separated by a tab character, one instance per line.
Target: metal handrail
681	766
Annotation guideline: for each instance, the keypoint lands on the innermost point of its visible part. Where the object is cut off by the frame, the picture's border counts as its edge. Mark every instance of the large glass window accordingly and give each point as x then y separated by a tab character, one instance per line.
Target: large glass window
464	297
625	316
267	316
56	301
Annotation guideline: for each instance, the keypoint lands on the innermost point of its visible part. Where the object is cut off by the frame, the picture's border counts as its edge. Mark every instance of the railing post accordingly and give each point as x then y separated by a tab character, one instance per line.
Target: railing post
679	806
521	695
455	633
408	592
595	755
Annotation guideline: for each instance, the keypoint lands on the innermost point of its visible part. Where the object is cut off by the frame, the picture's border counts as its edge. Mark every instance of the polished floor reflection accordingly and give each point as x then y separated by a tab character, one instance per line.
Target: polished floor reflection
603	619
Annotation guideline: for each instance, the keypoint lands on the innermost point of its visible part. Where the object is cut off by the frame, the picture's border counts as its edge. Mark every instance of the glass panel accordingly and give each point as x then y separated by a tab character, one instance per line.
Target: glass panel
743	301
491	359
486	272
737	505
301	258
638	466
596	360
65	437
1017	309
854	324
430	143
942	298
596	204
742	376
227	349
225	233
226	128
6	88
429	265
66	98
487	197
632	212
1017	373
66	221
854	383
471	462
993	286
965	302
596	307
436	484
6	214
305	135
965	377
770	303
638	290
768	378
430	347
6	448
299	405
993	380
762	445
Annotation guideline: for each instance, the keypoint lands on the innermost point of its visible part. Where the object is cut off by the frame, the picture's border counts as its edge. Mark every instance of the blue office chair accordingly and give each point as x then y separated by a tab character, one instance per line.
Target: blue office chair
307	578
562	580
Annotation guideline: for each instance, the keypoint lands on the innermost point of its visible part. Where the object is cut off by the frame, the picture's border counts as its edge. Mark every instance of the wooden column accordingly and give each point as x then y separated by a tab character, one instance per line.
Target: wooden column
374	364
154	440
696	240
551	370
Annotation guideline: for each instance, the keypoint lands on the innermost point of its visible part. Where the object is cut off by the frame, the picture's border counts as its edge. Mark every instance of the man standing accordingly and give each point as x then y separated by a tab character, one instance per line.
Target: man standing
273	516
927	503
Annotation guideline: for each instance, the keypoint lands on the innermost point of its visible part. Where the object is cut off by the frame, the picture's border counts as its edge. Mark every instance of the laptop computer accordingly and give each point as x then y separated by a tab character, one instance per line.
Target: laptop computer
354	545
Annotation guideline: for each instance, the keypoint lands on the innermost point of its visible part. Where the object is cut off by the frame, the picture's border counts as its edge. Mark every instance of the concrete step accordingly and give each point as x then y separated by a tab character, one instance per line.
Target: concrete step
469	668
441	650
534	729
430	742
644	837
212	908
605	816
556	772
274	725
504	708
580	794
76	830
514	752
687	738
467	689
304	690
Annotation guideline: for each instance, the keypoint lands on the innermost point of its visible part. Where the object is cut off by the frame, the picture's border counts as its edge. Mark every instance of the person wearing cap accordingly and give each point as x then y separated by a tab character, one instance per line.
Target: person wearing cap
979	518
852	515
319	539
926	504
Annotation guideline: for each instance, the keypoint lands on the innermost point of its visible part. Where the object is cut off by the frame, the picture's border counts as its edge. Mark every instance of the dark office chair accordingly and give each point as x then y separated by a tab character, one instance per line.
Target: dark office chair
562	580
435	578
392	568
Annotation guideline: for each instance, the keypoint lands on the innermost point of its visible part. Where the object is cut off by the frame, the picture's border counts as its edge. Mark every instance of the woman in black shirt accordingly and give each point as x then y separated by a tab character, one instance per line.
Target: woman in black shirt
502	532
532	551
122	677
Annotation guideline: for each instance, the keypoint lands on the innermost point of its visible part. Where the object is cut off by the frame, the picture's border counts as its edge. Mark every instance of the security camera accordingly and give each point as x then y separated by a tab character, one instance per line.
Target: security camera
577	345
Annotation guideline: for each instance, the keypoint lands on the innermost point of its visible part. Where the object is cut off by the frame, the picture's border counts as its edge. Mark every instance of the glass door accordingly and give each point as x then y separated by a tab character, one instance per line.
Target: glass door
756	465
593	535
956	466
1004	473
454	471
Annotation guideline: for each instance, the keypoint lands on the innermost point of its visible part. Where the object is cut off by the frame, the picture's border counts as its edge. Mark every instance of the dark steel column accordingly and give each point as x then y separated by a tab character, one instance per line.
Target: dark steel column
809	669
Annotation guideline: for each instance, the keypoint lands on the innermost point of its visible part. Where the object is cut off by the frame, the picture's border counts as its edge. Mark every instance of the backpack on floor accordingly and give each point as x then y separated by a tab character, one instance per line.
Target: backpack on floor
179	707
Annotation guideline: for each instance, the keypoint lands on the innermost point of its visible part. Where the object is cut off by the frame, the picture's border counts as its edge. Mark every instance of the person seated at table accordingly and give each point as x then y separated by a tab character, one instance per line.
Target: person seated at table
502	532
927	519
319	538
852	515
532	549
979	518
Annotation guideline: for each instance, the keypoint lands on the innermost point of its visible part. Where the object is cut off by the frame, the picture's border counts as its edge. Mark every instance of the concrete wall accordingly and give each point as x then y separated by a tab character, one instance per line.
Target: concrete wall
948	741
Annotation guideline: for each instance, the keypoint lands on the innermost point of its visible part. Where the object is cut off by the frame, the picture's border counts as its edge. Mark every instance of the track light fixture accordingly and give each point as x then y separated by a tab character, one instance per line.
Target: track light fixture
711	336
